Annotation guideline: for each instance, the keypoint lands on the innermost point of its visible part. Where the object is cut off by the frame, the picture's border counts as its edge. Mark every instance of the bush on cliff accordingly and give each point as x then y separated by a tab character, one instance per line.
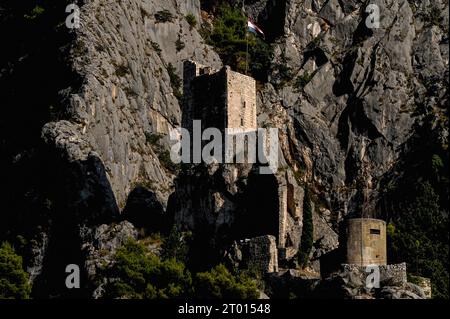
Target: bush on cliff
139	274
219	283
13	279
230	39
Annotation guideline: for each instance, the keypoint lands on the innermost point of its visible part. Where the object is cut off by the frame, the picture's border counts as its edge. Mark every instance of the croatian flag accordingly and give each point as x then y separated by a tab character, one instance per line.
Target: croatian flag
254	28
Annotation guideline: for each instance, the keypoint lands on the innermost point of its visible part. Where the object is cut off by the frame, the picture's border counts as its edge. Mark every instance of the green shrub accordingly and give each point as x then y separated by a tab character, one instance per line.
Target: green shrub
163	16
175	81
121	70
282	74
166	161
413	279
260	59
13	279
139	274
219	283
156	47
419	236
191	20
433	16
36	12
303	80
179	45
307	238
153	138
142	275
436	164
175	245
230	38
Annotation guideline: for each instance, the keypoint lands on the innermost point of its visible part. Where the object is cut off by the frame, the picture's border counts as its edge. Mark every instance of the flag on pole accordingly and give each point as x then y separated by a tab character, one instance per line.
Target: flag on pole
254	28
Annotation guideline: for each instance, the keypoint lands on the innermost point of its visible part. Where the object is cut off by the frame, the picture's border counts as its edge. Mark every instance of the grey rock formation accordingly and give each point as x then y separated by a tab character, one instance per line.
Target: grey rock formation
291	283
101	243
359	108
325	238
409	291
424	284
352	282
38	250
123	52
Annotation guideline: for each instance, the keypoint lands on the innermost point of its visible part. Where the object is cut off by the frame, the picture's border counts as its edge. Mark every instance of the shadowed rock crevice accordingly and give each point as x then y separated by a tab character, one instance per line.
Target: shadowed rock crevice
260	208
81	199
144	210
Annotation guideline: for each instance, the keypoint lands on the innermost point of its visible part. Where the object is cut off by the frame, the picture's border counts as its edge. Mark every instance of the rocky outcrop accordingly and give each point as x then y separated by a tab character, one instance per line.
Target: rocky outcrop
355	105
38	249
291	283
350	282
354	282
326	240
390	275
123	52
101	243
424	284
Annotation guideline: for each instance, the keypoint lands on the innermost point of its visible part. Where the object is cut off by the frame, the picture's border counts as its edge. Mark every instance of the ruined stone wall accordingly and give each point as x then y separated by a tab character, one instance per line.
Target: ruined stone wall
241	100
204	96
259	254
390	275
220	99
191	70
209	100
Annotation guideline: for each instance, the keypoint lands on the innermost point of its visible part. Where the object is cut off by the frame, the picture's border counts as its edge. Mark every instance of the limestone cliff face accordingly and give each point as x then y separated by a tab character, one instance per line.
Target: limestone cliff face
112	85
123	53
346	114
366	89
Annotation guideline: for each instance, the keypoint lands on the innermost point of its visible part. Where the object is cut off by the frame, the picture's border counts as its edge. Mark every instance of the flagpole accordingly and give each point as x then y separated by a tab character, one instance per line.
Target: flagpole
246	38
246	55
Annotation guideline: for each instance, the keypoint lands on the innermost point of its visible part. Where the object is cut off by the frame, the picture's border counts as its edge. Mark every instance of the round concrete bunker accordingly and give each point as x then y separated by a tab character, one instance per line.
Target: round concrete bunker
366	242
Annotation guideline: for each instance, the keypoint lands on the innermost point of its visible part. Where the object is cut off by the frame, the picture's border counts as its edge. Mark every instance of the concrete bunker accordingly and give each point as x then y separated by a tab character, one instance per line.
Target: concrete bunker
366	242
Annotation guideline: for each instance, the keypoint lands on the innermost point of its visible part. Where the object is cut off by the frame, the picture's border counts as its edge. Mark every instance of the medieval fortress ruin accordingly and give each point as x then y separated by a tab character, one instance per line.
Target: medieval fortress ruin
223	102
225	99
219	98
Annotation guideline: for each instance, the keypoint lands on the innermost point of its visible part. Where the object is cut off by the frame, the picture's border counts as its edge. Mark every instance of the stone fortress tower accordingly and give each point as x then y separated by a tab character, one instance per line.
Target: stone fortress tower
366	242
219	98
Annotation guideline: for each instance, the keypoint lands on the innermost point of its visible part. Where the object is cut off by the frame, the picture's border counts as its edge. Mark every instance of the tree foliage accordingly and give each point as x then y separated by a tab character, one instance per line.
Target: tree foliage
191	20
415	204
419	236
140	274
236	46
219	283
13	279
175	245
